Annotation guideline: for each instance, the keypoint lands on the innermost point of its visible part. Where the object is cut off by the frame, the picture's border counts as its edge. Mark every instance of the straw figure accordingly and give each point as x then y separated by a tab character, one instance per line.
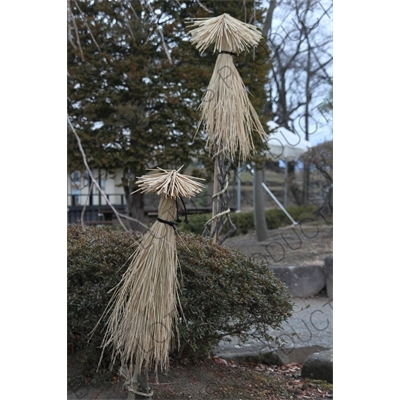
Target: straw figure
144	305
226	112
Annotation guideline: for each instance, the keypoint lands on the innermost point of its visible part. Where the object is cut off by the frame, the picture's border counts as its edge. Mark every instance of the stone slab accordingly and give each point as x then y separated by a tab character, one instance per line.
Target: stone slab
309	330
303	281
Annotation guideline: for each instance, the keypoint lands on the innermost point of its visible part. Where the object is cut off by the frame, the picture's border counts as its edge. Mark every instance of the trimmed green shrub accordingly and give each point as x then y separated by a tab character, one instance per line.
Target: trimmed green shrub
222	292
244	221
95	258
225	293
276	218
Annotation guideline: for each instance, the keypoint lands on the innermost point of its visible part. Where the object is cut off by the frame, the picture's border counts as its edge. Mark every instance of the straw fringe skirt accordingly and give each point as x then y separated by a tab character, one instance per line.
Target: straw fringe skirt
227	113
144	316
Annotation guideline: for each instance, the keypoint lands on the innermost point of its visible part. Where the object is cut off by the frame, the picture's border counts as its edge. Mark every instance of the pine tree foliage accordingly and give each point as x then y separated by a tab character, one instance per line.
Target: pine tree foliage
135	81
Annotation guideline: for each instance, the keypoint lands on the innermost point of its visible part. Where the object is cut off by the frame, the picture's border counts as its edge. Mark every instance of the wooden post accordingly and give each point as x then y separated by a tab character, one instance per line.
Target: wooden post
215	204
134	384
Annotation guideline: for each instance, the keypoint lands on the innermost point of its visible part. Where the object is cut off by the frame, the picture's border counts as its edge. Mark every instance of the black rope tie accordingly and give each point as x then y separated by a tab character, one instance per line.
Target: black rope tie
228	52
170	223
185	212
173	223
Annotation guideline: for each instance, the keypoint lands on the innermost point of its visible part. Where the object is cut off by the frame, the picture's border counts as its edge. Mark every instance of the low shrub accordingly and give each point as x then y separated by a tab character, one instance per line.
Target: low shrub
222	292
225	293
244	221
276	218
96	260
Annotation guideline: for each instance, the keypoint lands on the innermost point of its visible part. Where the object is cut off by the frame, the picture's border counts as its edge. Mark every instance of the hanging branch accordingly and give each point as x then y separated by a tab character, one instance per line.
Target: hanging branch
87	26
72	18
159	31
119	215
69	33
204	7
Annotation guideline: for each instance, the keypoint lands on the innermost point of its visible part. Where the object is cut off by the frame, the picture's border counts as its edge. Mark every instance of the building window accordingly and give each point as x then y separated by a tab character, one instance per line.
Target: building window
76	178
86	178
75	196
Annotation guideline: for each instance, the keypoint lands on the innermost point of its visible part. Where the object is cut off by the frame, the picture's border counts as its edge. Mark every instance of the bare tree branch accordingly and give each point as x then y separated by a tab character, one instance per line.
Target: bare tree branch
87	25
268	19
72	19
69	33
163	43
204	7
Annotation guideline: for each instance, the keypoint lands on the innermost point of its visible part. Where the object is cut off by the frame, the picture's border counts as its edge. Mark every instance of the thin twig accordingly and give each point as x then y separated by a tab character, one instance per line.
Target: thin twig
87	25
163	44
84	206
204	7
69	33
222	191
77	34
218	216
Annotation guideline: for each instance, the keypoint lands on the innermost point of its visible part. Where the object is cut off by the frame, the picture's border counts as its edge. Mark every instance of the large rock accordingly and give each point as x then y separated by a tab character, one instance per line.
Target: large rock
328	269
304	281
319	366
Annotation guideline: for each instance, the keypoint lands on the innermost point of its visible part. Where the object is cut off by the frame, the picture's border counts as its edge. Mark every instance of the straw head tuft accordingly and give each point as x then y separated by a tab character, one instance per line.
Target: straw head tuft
225	32
169	183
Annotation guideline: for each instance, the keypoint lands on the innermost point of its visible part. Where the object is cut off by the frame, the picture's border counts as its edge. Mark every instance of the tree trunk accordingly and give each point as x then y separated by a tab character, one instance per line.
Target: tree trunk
215	203
134	203
135	209
137	212
259	206
306	166
306	183
268	19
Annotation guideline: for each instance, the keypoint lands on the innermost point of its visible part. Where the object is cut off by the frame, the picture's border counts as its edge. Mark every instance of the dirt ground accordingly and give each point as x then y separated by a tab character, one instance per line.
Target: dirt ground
218	379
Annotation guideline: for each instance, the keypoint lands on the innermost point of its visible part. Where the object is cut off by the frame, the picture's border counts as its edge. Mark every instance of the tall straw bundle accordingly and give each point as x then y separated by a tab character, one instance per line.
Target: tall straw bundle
226	111
144	305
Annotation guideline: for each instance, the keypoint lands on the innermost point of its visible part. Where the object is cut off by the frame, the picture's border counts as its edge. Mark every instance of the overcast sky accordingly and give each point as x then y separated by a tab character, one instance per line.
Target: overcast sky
284	23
